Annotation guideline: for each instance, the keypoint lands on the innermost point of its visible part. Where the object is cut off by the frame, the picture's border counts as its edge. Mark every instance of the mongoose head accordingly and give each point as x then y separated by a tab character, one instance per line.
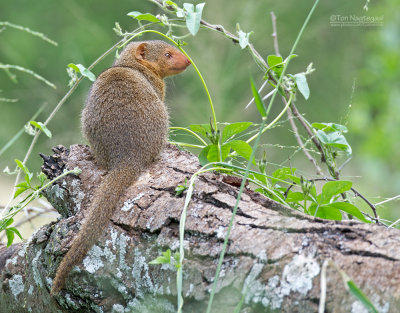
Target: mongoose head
156	55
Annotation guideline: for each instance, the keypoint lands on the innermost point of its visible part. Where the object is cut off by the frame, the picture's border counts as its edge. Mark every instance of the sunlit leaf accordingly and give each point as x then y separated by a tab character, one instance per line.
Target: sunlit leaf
326	212
351	209
143	16
258	100
302	85
10	237
234	129
79	68
202	129
242	148
333	188
330	127
165	258
213	154
42	127
193	17
275	63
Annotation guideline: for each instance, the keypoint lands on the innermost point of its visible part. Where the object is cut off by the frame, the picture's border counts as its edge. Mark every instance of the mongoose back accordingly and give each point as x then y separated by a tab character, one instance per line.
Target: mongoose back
126	123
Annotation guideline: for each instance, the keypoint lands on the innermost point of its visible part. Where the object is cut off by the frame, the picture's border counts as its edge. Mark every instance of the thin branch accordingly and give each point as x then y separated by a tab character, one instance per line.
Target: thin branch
309	131
388	200
290	116
300	141
275	34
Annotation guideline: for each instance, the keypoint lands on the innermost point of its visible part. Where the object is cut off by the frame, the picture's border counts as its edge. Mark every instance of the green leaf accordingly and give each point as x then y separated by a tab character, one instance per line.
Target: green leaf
23	184
326	212
42	127
258	100
181	188
302	85
334	139
203	155
330	127
274	60
143	16
8	222
295	196
10	237
242	148
22	167
234	129
19	191
165	258
79	68
213	153
28	178
285	173
260	177
357	292
202	129
42	178
276	64
193	17
15	231
349	208
333	188
243	38
172	3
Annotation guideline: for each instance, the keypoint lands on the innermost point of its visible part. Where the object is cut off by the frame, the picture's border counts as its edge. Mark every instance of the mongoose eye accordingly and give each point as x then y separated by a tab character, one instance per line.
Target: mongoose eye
168	55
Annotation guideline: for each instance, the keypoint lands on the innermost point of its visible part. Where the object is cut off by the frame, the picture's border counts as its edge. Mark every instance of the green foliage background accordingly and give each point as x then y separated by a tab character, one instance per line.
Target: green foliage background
354	65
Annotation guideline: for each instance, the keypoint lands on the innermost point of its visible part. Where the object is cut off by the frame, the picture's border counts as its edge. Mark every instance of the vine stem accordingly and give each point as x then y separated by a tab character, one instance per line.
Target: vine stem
222	255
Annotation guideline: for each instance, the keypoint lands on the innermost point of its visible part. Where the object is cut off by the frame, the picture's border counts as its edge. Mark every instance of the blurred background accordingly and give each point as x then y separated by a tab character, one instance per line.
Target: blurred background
356	81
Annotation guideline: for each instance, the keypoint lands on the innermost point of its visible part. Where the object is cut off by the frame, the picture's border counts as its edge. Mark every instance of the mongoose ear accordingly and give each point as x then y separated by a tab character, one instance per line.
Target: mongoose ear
141	51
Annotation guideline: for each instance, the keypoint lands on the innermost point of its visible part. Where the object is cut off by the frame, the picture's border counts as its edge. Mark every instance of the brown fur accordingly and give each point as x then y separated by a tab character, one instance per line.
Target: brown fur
126	123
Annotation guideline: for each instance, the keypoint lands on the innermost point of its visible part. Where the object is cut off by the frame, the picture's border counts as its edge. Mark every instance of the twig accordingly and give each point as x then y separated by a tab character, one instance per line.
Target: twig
387	200
300	142
309	131
275	34
290	116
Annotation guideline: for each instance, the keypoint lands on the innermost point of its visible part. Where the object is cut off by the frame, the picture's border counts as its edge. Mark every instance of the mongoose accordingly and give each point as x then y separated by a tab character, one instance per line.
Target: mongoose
126	123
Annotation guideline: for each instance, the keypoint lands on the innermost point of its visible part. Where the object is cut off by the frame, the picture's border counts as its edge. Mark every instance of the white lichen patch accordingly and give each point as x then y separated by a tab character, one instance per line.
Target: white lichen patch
122	243
149	222
22	251
92	262
56	191
76	193
128	204
118	308
70	302
16	285
297	276
190	290
141	277
37	277
221	232
30	290
114	235
12	261
49	281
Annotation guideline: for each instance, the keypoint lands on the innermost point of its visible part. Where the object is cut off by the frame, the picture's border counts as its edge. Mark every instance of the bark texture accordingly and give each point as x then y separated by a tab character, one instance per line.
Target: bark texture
273	262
